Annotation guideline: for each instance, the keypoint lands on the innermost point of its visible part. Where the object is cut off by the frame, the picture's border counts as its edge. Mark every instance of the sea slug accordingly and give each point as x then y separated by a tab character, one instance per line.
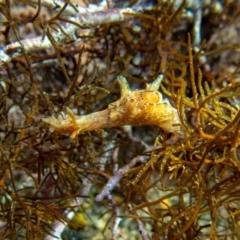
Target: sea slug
138	107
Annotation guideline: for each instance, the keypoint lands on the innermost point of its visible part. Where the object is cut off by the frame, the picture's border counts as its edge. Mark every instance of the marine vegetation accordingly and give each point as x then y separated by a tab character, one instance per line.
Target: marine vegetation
140	107
119	119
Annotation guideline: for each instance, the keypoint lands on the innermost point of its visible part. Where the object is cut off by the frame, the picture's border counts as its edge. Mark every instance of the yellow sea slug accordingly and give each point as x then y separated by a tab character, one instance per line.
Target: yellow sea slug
139	107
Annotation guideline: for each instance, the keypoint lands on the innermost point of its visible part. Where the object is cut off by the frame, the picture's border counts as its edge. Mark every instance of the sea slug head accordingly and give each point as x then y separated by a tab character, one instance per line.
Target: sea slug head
63	123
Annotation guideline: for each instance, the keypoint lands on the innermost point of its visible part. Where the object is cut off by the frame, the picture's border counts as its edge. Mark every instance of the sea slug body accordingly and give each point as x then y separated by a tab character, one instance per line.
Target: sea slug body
139	107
